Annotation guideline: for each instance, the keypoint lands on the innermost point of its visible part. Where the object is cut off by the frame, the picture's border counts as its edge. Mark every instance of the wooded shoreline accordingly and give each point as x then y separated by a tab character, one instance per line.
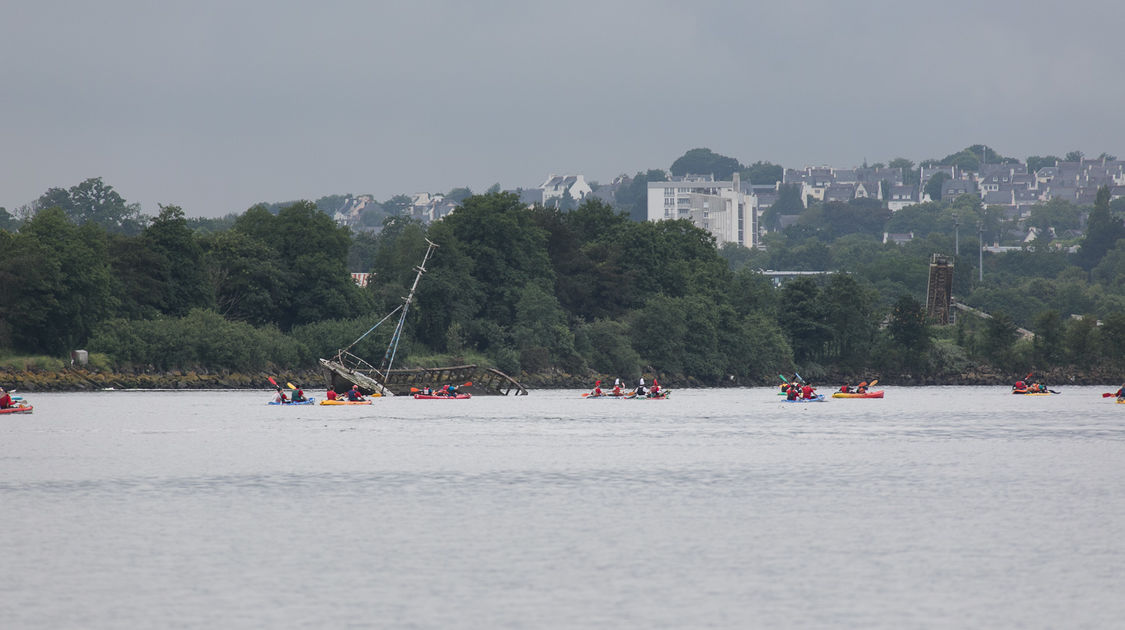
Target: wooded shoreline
314	380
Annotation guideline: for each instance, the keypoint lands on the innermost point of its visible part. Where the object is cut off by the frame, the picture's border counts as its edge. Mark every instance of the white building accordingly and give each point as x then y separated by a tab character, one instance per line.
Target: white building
557	186
720	207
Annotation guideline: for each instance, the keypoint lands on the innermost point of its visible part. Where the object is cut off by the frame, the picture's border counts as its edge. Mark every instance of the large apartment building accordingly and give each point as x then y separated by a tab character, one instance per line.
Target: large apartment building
722	208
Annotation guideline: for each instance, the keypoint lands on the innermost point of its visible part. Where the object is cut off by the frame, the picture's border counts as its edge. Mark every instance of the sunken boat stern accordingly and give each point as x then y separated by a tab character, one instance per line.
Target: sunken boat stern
345	371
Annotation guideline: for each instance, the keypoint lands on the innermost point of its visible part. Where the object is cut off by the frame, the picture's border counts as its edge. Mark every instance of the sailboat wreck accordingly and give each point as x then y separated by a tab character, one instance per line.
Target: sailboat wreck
345	369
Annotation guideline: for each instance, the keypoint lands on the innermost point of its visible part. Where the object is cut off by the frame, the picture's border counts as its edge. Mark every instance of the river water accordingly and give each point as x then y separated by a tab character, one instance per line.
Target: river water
951	507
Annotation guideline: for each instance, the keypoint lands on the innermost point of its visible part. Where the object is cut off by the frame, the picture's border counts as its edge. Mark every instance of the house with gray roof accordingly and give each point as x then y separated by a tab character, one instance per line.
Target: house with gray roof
901	196
953	188
839	192
869	190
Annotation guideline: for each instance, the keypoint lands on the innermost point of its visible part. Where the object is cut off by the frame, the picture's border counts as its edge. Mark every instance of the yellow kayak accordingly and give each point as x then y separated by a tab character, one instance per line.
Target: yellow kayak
345	402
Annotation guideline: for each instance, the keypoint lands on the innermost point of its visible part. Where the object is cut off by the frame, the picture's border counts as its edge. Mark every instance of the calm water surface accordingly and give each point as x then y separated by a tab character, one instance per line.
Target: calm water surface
948	507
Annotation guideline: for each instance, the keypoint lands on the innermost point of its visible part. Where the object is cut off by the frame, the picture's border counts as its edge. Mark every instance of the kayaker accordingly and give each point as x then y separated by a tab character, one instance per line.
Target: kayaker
597	389
354	395
5	399
641	387
845	389
861	388
451	390
792	392
280	397
616	387
807	391
655	390
1019	385
330	394
428	391
299	396
1120	393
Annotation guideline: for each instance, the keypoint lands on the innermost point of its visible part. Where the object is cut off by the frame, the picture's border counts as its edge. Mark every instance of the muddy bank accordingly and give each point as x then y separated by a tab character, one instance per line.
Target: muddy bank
78	380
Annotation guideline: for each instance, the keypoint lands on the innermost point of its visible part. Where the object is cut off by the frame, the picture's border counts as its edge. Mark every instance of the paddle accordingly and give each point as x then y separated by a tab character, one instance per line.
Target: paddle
798	376
1107	395
872	383
291	386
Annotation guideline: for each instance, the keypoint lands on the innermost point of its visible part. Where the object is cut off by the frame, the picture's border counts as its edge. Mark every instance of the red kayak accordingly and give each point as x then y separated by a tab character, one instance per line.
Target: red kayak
20	408
440	397
878	394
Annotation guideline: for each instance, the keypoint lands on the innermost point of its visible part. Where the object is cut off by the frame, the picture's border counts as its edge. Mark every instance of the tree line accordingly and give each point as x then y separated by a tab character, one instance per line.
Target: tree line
547	292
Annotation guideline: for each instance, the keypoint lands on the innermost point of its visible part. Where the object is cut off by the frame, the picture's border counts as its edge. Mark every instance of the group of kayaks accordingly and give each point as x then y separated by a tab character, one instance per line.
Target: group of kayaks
630	395
448	393
19	405
312	401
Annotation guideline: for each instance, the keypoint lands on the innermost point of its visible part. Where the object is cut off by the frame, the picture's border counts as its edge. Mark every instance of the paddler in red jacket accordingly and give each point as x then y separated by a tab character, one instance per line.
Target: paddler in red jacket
807	391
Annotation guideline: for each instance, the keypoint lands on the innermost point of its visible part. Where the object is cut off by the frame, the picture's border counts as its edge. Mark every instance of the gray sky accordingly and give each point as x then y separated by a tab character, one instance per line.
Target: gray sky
216	105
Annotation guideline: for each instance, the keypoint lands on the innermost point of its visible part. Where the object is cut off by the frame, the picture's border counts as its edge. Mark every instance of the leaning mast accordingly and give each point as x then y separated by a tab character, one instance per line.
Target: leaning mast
392	347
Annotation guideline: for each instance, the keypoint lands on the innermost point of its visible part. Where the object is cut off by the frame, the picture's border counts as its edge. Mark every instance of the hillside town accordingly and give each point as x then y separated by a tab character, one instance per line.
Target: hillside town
730	209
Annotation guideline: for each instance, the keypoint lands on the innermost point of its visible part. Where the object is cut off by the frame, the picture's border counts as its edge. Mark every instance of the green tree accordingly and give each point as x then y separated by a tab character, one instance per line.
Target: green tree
56	284
763	173
541	333
849	314
1074	156
605	344
179	261
909	173
1047	345
1000	334
508	250
314	251
1111	339
94	201
247	277
398	206
7	221
705	162
788	203
802	319
933	186
909	331
1102	232
459	194
865	216
1056	213
1081	341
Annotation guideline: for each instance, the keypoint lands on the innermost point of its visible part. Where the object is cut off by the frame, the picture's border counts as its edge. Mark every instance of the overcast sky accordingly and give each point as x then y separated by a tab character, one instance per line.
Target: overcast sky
217	105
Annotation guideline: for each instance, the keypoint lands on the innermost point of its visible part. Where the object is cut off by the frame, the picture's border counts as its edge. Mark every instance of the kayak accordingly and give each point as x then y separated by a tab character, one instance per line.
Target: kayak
660	396
629	395
310	401
1024	392
439	397
878	394
344	402
20	408
817	398
1121	401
